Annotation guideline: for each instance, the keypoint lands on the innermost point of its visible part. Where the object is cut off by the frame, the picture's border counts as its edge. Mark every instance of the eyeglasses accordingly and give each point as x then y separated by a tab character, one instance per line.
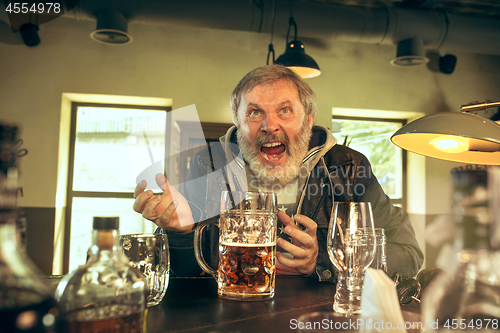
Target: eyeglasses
410	290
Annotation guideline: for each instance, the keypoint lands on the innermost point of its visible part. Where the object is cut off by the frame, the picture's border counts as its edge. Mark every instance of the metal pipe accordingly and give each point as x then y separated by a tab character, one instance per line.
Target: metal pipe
478	106
377	25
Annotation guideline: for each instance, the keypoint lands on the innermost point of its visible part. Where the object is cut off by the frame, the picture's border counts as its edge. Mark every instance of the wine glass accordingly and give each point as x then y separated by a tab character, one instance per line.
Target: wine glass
351	248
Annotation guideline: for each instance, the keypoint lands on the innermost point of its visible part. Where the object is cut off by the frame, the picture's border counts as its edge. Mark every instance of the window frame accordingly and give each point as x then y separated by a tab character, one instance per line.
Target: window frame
70	193
402	202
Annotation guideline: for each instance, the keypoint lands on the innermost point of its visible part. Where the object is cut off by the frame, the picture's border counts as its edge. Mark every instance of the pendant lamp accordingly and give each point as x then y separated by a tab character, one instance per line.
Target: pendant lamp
295	56
453	136
111	28
410	52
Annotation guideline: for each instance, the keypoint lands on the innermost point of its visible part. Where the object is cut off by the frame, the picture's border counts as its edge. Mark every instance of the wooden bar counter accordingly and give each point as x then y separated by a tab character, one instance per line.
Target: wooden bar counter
192	305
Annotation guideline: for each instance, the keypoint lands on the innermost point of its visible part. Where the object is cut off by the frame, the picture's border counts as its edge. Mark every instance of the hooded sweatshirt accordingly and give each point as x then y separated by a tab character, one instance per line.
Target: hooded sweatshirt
328	173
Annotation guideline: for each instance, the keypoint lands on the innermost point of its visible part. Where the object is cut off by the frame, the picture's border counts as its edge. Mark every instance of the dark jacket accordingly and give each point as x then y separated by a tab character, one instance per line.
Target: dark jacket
332	169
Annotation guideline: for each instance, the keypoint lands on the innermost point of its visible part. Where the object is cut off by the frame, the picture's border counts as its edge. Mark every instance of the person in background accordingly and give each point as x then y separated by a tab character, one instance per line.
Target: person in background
274	146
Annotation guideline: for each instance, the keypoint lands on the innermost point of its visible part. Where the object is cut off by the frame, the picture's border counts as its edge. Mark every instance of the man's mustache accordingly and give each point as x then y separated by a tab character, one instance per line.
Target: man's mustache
264	138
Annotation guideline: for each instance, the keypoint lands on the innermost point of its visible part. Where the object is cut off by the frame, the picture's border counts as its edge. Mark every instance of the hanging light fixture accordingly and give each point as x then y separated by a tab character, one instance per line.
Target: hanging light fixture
295	56
111	28
410	52
453	136
270	48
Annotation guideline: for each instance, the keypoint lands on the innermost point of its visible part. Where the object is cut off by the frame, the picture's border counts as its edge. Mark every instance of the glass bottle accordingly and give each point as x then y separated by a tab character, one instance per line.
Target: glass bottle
467	297
26	302
380	259
106	294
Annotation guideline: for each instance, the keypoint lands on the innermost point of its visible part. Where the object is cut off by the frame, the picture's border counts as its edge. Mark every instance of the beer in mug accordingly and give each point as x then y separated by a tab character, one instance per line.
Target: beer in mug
247	246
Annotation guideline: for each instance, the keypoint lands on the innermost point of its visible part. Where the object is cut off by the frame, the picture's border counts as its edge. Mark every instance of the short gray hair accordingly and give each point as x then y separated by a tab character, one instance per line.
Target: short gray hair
269	74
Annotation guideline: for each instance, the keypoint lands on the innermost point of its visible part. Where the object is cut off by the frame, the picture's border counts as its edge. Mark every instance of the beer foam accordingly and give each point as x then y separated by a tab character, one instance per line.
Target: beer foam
247	244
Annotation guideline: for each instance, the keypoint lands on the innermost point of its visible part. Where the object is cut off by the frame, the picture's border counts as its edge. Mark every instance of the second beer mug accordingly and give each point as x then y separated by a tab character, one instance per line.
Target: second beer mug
247	246
150	254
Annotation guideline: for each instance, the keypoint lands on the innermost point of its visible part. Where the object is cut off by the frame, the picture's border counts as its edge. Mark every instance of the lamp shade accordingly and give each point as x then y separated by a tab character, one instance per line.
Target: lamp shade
296	59
111	28
410	52
452	136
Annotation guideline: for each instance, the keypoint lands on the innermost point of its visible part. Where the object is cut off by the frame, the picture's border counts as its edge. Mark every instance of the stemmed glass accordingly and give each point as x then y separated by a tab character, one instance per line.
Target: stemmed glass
351	248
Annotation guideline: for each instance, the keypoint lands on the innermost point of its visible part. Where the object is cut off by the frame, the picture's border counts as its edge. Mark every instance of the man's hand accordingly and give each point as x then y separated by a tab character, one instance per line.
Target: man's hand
169	210
305	245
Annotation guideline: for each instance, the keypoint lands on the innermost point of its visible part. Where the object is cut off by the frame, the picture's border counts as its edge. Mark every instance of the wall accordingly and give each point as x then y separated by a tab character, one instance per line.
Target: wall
196	66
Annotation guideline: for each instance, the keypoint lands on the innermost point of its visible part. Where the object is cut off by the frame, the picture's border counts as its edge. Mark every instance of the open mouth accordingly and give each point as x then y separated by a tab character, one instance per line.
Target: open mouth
273	151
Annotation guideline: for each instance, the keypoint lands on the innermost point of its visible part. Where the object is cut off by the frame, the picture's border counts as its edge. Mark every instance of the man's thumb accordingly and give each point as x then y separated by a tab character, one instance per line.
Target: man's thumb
161	181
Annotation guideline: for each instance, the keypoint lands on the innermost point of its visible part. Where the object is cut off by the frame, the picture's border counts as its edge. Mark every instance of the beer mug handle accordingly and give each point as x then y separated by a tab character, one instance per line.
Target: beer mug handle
198	252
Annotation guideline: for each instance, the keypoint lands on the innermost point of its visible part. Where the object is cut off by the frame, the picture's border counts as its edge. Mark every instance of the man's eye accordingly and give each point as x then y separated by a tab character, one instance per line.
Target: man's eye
255	114
285	111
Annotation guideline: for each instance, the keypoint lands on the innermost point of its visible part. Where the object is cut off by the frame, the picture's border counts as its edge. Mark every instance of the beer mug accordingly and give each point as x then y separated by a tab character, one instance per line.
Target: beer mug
247	246
149	253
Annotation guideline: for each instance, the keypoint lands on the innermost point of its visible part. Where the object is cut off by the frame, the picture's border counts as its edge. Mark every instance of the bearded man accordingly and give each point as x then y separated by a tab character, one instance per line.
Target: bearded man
275	147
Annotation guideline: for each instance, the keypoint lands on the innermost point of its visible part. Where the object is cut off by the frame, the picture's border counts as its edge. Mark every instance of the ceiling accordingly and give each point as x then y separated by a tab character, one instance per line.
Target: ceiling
472	8
453	25
478	8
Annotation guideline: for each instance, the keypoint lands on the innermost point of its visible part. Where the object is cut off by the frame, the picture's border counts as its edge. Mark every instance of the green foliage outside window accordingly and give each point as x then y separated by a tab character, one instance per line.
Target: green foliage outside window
372	138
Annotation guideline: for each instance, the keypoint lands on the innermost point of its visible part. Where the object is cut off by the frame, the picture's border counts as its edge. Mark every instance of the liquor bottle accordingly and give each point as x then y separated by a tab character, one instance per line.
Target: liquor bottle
26	302
467	296
106	294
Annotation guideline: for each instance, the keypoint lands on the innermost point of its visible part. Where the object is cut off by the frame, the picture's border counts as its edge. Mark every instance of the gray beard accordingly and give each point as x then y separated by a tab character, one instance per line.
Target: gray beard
280	174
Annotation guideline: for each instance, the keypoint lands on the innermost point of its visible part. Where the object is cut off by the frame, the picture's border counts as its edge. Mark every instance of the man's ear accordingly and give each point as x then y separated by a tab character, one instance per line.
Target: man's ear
310	121
235	121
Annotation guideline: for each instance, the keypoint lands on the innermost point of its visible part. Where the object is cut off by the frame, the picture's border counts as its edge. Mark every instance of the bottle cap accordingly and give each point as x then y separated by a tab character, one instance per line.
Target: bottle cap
8	134
106	222
468	178
8	131
471	212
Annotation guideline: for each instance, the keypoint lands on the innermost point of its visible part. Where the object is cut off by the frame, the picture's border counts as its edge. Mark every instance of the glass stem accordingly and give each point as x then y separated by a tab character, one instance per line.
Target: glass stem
347	298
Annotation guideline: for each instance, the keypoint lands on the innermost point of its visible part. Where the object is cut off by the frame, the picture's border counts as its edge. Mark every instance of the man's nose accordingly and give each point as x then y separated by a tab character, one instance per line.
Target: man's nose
270	124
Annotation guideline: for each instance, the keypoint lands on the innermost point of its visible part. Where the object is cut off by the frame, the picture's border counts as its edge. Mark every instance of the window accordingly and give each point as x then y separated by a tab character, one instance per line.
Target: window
106	143
371	137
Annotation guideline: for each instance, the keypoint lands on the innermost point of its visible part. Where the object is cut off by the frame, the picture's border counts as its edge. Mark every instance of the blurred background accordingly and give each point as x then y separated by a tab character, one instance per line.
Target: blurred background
97	88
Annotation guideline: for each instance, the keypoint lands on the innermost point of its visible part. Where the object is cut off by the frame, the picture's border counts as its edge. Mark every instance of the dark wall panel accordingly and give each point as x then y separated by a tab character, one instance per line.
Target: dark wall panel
40	236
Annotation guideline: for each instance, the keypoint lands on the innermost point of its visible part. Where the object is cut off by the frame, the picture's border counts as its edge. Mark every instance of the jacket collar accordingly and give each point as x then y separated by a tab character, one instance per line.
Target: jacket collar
321	142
